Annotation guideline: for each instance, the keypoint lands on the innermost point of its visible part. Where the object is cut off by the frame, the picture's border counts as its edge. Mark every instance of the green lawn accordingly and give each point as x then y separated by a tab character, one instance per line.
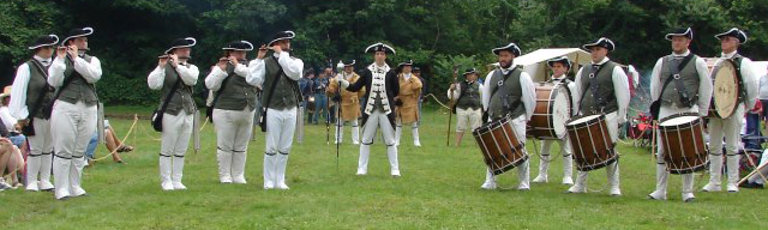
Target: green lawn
439	189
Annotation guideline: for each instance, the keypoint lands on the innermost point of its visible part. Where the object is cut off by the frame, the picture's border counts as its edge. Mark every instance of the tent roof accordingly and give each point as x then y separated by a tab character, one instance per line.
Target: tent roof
542	55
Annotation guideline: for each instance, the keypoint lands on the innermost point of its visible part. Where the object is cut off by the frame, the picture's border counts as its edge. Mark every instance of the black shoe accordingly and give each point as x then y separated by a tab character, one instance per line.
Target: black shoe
751	185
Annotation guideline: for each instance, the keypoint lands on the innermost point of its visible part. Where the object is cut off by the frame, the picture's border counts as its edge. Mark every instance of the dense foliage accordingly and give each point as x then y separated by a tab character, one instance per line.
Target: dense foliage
436	34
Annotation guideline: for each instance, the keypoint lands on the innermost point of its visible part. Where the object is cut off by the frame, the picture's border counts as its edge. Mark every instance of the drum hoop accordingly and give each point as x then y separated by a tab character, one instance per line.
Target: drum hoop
678	126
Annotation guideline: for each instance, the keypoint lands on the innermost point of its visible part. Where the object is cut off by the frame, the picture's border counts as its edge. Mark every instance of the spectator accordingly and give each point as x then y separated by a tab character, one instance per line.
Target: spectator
9	122
763	96
321	101
417	73
306	86
11	163
113	144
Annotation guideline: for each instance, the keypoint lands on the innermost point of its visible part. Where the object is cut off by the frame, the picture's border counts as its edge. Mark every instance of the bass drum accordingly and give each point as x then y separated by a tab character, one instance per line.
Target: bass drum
726	88
552	111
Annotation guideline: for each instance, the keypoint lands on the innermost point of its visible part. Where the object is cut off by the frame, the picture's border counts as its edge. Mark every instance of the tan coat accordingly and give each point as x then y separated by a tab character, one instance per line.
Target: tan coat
350	101
410	91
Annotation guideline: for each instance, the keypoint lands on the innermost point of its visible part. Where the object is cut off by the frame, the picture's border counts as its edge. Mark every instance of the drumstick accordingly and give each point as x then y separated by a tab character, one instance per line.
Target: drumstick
757	170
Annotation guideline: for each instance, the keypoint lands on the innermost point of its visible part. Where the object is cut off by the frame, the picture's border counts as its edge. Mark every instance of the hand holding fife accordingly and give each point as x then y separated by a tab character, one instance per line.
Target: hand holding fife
222	64
277	48
175	60
72	51
262	52
162	60
234	60
61	51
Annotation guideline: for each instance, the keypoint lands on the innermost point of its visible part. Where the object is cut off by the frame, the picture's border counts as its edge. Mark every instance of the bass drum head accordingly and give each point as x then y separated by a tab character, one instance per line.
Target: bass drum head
678	121
561	109
726	88
583	120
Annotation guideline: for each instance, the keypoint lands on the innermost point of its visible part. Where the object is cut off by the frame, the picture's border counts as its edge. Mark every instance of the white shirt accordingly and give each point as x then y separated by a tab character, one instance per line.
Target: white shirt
620	88
526	84
216	77
763	95
8	120
188	74
292	67
457	91
749	77
91	71
18	105
705	83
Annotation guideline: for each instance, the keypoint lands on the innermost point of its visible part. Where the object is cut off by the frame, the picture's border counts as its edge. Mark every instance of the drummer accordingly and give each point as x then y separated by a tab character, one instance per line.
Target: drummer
729	127
560	66
607	92
693	97
509	92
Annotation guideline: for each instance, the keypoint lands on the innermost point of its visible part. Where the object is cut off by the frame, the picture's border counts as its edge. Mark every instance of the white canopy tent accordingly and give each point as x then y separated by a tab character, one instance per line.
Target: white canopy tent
535	63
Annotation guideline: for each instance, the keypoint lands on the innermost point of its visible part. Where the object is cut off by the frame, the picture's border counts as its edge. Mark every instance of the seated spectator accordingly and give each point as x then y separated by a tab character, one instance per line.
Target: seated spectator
11	164
113	144
9	122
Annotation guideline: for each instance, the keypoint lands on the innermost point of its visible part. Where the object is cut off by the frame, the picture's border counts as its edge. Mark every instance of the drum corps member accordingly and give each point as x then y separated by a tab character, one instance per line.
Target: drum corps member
689	91
509	91
469	104
233	105
602	89
279	74
407	102
560	66
730	127
175	77
31	93
73	116
381	86
350	102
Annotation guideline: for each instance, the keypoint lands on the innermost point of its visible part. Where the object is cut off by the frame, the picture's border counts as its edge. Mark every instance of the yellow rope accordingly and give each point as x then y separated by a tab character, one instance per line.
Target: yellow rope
438	101
122	143
142	127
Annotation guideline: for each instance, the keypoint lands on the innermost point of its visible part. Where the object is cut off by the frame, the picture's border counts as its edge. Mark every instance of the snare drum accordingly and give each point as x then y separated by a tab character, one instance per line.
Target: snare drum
553	106
683	142
591	142
500	146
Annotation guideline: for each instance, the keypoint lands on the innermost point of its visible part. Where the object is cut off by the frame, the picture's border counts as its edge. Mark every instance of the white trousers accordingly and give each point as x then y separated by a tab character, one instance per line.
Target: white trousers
523	171
355	131
177	130
233	132
40	155
281	125
72	126
375	120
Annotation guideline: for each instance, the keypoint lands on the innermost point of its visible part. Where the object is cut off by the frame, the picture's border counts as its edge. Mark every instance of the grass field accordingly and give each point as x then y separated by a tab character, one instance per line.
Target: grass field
439	189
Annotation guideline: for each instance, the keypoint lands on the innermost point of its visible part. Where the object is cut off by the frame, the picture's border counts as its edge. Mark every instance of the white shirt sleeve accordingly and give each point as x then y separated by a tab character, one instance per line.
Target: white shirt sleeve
705	86
91	71
529	94
8	120
18	104
293	67
749	77
621	90
241	70
215	78
56	72
574	97
188	74
256	72
656	83
486	91
156	78
456	92
577	93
